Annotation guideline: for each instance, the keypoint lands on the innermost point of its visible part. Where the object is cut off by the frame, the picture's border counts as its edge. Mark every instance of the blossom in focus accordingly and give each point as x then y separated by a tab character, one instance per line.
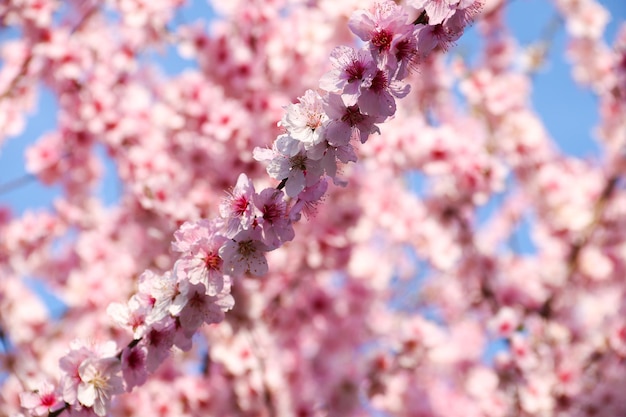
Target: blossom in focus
245	253
304	121
99	382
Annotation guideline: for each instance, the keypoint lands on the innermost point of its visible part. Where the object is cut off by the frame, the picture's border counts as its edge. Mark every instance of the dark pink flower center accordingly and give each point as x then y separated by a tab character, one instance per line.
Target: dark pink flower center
135	359
271	213
404	50
156	338
298	162
213	261
382	40
352	116
48	399
197	301
246	248
380	82
355	71
240	205
136	320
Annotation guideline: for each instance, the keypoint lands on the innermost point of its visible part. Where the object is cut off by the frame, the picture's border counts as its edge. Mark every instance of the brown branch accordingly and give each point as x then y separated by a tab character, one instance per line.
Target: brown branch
20	75
55	413
598	213
27	178
577	247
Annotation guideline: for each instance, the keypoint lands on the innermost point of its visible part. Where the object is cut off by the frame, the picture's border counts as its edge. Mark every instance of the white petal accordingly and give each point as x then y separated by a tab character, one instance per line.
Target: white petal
86	394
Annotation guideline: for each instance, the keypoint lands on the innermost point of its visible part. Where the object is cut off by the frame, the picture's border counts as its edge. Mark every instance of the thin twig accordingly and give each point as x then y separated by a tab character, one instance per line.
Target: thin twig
15	81
16	183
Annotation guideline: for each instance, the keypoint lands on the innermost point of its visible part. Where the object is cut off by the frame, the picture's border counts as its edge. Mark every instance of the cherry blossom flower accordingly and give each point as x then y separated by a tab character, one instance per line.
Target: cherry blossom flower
45	158
134	371
308	199
161	290
505	322
351	68
189	233
437	10
304	121
329	157
430	37
587	19
176	142
91	376
299	171
41	401
466	11
196	307
377	95
70	365
405	55
237	209
201	263
379	26
159	341
245	253
132	314
99	381
347	122
276	227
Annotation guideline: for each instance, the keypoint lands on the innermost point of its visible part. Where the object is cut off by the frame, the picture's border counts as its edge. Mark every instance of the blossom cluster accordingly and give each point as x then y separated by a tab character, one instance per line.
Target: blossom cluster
320	131
388	301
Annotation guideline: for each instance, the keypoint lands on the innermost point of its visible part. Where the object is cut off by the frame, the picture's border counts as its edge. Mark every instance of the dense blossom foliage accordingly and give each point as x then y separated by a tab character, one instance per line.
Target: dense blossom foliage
266	256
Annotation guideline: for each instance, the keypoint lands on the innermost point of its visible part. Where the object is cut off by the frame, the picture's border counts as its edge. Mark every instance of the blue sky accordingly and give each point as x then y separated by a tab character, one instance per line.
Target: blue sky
569	111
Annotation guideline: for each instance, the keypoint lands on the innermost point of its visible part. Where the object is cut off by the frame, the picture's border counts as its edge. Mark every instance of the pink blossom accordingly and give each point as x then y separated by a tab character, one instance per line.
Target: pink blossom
505	322
201	262
275	225
237	209
159	341
405	55
304	121
245	253
377	95
308	199
189	233
196	307
70	364
203	266
299	171
431	37
617	337
41	401
596	264
351	68
437	10
347	122
379	26
161	291
132	314
99	381
45	158
337	325
466	12
134	371
587	19
329	157
535	396
91	376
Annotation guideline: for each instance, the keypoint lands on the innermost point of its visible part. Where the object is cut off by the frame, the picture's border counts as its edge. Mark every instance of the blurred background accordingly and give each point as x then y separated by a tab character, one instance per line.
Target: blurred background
568	110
